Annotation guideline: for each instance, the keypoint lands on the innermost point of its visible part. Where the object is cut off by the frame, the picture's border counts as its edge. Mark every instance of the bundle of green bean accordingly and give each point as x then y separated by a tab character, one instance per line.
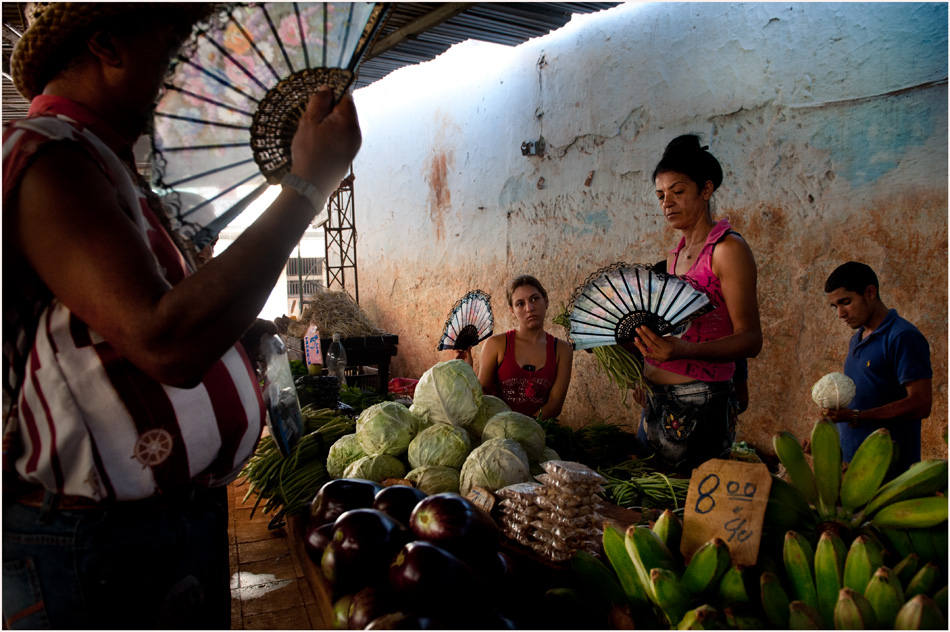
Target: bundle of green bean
289	484
623	368
634	484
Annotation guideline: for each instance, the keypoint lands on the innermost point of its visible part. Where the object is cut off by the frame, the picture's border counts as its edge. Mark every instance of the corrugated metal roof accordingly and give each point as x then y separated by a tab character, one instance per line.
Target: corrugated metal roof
413	32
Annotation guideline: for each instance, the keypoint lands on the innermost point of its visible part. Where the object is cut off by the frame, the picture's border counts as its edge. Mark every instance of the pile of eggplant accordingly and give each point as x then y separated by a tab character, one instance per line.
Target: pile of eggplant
399	559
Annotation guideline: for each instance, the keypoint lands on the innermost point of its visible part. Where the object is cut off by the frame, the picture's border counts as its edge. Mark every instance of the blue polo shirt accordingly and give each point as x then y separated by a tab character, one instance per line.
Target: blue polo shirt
880	364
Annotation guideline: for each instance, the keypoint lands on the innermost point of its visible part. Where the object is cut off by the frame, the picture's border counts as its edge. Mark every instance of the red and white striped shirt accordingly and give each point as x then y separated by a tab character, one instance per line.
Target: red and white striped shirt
85	421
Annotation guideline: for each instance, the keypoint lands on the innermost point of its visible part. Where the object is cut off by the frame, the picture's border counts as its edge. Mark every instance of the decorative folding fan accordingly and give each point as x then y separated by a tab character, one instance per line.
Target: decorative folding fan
469	322
229	109
615	300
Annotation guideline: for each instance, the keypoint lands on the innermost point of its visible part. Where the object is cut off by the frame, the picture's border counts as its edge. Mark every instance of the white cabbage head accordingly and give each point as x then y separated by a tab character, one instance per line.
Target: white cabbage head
833	391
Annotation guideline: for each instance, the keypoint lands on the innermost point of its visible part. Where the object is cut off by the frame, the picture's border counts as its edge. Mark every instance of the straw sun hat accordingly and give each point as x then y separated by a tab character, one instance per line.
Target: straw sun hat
51	26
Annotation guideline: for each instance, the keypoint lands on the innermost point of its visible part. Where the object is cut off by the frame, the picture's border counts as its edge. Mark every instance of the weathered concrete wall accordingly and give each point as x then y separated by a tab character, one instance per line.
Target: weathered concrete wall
830	121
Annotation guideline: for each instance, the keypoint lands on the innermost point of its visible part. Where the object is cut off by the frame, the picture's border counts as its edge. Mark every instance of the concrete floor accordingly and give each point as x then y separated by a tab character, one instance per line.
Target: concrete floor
269	590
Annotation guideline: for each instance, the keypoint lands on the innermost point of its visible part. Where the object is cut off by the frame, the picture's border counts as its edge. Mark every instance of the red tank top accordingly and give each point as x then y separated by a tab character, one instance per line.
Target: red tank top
526	391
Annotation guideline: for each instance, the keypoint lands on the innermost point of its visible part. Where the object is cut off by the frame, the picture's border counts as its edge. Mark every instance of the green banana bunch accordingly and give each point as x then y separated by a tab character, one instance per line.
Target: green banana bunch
854	612
704	617
790	453
706	568
920	613
826	456
774	599
924	581
885	596
915	513
799	560
866	470
922	479
829	575
801	616
864	557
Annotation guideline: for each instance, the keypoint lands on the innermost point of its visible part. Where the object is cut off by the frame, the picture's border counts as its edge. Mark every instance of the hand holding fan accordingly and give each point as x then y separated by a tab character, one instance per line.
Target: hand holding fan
615	300
469	322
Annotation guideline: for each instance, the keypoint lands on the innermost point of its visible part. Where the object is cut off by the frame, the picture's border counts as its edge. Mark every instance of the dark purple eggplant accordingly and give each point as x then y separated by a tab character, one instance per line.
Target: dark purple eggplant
367	605
341	495
398	501
456	524
364	542
316	539
431	580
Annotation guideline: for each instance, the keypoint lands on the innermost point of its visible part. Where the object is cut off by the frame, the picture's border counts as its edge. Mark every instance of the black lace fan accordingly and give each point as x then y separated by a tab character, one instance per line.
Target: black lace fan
469	322
615	300
229	109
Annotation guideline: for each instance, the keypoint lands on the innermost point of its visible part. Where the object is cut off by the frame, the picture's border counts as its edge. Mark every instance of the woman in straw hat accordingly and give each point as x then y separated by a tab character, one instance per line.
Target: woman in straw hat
128	393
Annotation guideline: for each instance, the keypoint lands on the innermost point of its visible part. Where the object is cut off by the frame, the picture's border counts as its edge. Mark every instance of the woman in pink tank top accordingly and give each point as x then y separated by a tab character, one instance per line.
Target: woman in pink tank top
527	367
689	415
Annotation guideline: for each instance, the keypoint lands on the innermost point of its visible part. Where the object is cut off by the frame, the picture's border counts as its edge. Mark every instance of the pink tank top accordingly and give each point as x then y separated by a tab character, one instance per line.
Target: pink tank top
711	326
526	391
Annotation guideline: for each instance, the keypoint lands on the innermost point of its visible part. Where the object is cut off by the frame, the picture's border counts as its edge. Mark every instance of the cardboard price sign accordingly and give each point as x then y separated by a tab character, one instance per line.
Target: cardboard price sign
726	500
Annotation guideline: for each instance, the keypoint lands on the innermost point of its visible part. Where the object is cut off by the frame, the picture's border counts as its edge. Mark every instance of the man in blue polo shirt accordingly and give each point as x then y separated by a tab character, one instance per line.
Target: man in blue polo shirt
889	361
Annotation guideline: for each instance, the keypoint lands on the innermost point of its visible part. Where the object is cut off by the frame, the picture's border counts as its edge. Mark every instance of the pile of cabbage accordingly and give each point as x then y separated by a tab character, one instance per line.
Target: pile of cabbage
452	438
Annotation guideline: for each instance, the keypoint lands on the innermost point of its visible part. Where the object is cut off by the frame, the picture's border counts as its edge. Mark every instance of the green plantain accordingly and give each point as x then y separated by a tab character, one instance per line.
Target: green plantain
801	616
829	571
617	554
884	597
733	590
899	542
923	544
799	568
647	552
669	595
866	470
598	580
739	621
921	479
906	569
940	598
924	581
916	513
826	453
863	559
706	568
669	529
920	613
775	600
790	453
703	617
854	612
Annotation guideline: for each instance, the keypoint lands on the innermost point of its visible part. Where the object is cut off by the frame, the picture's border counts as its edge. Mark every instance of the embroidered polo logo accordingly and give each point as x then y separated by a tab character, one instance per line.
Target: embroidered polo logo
153	447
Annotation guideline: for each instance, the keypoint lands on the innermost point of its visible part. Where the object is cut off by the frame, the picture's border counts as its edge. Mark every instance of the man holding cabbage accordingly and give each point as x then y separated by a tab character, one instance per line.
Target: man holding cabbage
889	362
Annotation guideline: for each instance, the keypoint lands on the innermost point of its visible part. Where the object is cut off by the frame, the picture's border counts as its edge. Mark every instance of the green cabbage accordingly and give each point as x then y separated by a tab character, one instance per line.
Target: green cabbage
548	454
495	464
440	444
520	428
344	451
386	428
435	479
375	467
490	407
448	393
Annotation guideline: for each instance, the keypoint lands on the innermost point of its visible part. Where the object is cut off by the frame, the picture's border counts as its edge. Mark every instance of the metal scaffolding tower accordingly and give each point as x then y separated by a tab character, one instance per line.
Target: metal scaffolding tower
339	234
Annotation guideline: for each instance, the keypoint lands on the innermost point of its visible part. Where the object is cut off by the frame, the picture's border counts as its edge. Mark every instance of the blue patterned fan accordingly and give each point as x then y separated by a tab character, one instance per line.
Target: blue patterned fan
230	107
615	300
469	322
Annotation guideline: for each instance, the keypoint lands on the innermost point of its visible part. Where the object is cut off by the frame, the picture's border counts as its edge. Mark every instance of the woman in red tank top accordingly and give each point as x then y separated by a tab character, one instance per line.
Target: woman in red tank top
527	367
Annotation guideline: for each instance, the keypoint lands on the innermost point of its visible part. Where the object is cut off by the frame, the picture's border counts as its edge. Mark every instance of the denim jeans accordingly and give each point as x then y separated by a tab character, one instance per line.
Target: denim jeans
688	424
133	565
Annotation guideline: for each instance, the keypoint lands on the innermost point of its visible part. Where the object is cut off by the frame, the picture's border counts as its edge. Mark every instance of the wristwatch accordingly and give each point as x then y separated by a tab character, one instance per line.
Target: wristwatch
304	188
854	418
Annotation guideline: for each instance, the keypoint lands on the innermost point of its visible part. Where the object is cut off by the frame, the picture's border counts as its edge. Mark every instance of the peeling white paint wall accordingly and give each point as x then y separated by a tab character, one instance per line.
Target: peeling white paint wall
830	121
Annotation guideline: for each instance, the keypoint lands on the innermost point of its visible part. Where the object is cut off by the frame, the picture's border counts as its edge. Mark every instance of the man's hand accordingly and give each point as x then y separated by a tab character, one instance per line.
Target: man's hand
659	348
838	415
327	139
